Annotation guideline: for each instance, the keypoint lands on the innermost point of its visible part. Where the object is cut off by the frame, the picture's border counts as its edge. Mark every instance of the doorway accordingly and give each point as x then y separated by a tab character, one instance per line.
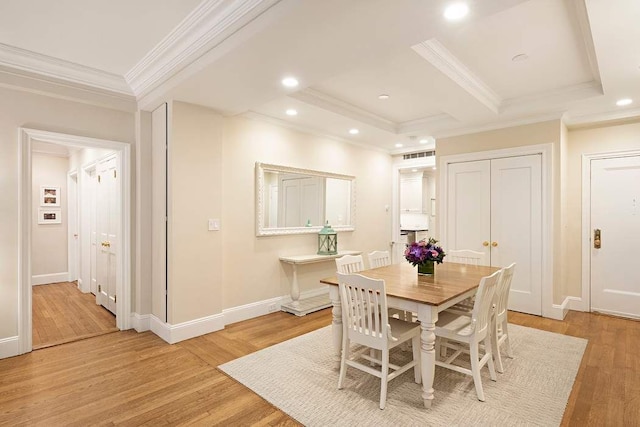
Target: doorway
613	224
122	271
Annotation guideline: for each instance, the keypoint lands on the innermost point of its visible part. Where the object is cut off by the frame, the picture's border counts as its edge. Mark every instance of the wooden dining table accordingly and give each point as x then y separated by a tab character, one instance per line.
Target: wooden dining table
424	295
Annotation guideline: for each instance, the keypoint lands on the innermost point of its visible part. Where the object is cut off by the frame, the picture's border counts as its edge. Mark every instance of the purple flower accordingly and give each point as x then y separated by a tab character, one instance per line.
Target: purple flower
423	251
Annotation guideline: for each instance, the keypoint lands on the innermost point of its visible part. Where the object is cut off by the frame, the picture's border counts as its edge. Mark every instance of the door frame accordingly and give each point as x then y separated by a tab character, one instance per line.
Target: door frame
73	216
399	165
585	303
123	282
549	309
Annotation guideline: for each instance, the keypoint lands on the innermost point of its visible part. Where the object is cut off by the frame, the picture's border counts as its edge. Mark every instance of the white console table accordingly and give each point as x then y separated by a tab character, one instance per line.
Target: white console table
301	307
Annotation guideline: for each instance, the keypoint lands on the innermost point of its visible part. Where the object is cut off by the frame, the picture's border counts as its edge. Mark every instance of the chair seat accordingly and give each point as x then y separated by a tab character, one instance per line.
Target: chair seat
451	324
402	330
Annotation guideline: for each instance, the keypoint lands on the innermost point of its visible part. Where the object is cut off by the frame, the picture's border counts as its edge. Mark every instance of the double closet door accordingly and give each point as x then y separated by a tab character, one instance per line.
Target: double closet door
495	207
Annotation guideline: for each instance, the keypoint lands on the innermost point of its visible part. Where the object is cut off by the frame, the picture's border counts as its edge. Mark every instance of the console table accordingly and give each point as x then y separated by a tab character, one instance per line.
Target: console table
301	307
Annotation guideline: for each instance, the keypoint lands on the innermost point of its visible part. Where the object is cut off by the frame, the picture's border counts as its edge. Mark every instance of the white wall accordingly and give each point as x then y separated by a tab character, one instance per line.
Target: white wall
22	109
49	241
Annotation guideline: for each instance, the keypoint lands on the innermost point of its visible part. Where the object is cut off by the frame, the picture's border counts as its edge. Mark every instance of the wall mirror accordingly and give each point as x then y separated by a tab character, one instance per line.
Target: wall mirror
296	201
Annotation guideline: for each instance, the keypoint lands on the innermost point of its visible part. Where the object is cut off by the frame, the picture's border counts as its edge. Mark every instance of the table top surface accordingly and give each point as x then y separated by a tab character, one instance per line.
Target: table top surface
449	281
311	258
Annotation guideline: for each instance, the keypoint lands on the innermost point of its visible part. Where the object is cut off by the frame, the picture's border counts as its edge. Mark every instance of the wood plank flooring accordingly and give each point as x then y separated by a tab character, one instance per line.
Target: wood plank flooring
128	378
61	314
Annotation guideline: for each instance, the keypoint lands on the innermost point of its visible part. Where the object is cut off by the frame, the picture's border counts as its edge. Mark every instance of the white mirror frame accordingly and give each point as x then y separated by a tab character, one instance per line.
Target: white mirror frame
261	230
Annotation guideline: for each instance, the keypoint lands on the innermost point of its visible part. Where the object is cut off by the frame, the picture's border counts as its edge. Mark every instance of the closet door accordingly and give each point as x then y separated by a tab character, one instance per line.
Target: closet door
516	227
107	216
468	208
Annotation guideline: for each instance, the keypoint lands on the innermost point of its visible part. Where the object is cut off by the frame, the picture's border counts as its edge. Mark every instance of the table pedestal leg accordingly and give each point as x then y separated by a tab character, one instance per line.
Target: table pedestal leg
295	288
427	316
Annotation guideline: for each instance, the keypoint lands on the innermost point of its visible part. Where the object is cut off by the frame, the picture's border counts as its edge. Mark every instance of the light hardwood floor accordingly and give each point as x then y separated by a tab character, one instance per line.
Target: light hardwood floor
128	378
61	314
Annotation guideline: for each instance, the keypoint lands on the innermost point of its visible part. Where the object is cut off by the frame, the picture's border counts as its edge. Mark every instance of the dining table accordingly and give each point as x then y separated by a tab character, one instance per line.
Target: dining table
425	295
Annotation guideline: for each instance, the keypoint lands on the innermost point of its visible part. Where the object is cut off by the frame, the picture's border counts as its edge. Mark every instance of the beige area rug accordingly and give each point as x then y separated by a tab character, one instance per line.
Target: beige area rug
300	377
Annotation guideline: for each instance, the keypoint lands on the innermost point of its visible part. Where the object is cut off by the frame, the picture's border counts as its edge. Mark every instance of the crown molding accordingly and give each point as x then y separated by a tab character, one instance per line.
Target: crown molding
208	25
466	130
582	16
448	64
334	105
559	96
426	124
26	61
595	119
308	130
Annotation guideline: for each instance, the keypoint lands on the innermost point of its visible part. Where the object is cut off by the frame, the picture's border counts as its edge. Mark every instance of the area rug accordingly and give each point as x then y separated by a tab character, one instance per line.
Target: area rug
300	377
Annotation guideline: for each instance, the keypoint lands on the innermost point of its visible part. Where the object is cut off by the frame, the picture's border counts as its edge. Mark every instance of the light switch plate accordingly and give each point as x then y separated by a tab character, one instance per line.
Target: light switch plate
214	224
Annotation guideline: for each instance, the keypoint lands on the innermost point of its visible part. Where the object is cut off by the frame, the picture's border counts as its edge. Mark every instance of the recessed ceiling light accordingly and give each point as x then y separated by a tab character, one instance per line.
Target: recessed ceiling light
292	112
623	102
424	141
434	168
354	131
456	11
383	96
290	82
398	145
520	57
414	170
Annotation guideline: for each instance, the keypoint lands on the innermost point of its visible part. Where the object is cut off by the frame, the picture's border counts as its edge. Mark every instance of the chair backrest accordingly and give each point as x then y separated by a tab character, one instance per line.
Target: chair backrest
350	264
464	256
484	302
502	293
364	310
379	259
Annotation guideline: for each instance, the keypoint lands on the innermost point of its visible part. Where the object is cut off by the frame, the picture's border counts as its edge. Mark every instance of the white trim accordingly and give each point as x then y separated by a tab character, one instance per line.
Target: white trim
582	16
251	310
141	322
45	279
80	76
426	123
73	265
186	330
208	25
123	274
9	347
503	124
560	310
560	96
337	106
546	151
449	65
576	304
617	313
586	218
590	120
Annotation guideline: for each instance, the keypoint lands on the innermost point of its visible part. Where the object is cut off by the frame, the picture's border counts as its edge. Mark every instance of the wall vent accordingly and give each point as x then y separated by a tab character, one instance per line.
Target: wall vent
418	155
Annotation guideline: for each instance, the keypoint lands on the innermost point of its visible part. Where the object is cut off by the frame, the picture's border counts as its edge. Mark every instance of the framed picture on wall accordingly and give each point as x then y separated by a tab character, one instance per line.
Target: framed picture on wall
49	196
49	216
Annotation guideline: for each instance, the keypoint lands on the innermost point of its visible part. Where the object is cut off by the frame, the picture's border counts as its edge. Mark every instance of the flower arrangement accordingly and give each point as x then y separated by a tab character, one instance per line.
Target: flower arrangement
419	253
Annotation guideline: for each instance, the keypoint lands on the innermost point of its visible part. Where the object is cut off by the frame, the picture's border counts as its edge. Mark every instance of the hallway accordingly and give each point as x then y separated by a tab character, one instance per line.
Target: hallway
61	314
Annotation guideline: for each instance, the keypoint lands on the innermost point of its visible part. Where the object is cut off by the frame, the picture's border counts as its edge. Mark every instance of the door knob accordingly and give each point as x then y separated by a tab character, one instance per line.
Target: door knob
597	238
485	243
494	244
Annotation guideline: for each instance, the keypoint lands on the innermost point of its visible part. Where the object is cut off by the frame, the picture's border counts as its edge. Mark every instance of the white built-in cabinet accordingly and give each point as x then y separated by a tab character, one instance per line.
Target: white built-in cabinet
495	207
411	193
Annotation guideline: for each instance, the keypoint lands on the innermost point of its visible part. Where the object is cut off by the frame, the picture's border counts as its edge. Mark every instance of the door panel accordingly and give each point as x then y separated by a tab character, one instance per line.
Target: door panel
615	210
468	207
516	227
107	216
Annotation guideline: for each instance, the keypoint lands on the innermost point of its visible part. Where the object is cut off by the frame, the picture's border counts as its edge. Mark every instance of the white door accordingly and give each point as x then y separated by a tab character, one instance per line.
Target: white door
107	216
73	229
495	207
301	201
516	227
615	211
469	207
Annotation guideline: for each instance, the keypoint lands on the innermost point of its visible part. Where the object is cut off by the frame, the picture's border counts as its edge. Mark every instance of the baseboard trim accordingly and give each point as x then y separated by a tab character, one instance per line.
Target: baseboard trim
141	322
45	279
186	330
558	311
9	347
576	304
249	311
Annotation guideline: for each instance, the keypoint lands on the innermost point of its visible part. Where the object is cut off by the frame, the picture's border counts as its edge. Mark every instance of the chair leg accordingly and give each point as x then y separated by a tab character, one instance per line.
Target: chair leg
417	370
343	360
507	345
384	378
492	369
475	369
495	346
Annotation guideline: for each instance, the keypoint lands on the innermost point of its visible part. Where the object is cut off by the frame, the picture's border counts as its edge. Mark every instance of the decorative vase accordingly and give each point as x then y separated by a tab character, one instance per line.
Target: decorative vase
426	269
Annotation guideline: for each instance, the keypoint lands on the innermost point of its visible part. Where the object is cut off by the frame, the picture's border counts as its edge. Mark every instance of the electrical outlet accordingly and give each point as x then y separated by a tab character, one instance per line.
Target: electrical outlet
214	224
272	308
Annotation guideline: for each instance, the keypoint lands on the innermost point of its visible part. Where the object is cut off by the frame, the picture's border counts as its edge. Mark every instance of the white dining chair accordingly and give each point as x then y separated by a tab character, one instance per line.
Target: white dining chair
464	256
365	323
464	334
350	264
500	335
379	259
